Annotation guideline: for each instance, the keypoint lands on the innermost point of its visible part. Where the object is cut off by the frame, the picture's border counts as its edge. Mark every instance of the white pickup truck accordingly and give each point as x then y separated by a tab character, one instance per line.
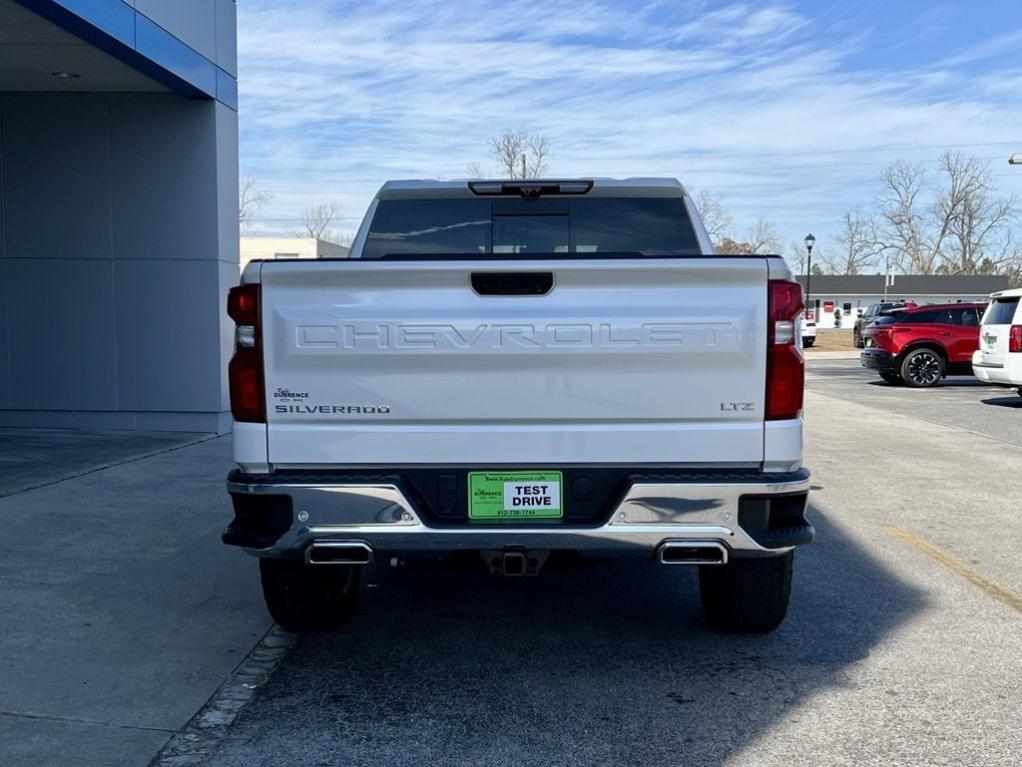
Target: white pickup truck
520	369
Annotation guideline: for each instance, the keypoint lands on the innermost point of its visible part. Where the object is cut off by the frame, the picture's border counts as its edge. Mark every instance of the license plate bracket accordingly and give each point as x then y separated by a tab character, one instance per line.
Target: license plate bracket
515	495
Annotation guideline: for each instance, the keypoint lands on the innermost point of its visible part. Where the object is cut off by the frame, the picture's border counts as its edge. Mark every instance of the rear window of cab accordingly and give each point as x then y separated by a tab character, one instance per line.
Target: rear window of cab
518	228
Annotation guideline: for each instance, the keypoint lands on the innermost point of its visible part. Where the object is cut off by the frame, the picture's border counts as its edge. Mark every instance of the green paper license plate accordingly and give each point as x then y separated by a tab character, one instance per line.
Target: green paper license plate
514	495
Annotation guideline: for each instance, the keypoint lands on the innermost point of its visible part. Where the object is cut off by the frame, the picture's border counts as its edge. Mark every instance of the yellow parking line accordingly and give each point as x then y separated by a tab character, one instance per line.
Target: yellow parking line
956	566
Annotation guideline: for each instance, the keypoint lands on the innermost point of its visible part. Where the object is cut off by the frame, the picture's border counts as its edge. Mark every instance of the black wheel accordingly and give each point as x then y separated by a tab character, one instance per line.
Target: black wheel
807	342
747	595
922	368
891	378
303	597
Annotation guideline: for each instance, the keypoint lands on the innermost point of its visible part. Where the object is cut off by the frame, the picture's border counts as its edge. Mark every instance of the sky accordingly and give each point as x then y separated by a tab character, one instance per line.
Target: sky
788	110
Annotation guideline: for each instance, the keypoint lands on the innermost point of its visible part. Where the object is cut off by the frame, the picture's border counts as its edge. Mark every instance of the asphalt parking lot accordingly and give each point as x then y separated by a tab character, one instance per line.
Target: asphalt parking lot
961	402
901	646
131	631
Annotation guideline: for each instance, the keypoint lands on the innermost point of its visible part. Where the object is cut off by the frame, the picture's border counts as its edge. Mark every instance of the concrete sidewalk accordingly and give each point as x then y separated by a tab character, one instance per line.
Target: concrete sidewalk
34	457
123	611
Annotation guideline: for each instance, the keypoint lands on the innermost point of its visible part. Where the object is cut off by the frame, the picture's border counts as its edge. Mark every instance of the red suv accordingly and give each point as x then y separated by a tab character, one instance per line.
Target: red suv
921	345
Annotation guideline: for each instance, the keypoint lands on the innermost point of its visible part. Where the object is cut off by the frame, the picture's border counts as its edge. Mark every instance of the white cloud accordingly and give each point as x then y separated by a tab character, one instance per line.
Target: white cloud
753	100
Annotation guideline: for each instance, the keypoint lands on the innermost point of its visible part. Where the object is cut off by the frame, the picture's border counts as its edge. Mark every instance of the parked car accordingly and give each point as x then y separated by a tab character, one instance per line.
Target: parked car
514	369
872	312
921	345
808	329
999	358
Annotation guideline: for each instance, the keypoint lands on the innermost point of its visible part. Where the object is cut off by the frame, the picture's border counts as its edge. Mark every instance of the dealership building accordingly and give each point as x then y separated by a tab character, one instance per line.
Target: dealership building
838	300
118	212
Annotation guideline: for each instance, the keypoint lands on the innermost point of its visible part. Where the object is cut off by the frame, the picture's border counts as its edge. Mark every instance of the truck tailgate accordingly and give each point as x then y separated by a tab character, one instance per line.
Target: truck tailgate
622	361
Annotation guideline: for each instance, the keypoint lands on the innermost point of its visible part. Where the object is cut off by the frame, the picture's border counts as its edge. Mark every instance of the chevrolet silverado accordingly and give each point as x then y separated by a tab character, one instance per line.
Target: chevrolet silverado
519	369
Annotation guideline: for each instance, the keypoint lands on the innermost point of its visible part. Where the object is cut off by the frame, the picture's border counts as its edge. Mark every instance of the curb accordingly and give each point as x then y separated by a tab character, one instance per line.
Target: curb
207	729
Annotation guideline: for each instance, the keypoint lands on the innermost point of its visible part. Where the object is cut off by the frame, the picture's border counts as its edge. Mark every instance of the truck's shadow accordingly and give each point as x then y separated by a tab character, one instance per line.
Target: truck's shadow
1014	401
601	664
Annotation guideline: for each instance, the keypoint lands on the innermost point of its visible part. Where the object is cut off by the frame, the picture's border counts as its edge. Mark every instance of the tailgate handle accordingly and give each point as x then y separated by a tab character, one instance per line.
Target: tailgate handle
512	283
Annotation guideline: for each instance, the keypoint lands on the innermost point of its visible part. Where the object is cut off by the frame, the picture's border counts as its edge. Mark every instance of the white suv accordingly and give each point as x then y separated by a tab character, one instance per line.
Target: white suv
998	360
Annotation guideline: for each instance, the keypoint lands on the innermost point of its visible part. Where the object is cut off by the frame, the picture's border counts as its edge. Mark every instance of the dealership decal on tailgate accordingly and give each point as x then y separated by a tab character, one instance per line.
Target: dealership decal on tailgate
514	495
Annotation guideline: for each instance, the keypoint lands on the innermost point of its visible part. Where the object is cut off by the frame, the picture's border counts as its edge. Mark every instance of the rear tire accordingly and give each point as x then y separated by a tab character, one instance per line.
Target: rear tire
747	595
922	368
892	378
301	597
807	342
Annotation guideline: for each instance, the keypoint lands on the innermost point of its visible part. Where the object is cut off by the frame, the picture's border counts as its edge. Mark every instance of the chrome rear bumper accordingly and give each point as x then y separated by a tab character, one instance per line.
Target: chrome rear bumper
748	517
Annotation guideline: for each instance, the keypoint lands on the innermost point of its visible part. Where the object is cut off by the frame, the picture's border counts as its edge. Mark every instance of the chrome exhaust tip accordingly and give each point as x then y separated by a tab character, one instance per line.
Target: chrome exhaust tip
339	553
692	553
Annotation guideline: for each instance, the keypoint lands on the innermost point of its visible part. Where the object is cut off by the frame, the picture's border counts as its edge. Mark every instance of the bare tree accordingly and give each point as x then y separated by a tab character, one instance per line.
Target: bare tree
250	199
964	230
979	223
860	244
763	237
475	170
316	220
520	154
715	217
903	221
797	257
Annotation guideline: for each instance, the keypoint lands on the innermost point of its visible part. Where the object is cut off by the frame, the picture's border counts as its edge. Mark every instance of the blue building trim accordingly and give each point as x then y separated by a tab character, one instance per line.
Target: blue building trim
158	45
226	89
124	33
114	18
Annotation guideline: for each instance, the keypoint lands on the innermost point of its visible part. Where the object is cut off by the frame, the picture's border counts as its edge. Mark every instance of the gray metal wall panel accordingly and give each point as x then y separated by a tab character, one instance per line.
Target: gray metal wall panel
57	173
168	345
5	373
193	22
5	381
228	278
227	184
61	314
130	328
122	419
227	36
165	178
228	227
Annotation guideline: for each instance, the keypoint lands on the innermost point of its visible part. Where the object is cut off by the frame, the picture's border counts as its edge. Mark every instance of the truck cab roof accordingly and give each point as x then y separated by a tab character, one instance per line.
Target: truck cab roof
595	187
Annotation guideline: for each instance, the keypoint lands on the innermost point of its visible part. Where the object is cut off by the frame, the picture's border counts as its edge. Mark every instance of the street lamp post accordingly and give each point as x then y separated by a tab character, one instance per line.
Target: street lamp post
810	241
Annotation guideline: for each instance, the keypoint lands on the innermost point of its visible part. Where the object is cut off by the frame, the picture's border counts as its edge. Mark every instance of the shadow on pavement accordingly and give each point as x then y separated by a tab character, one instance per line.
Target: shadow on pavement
605	663
1013	401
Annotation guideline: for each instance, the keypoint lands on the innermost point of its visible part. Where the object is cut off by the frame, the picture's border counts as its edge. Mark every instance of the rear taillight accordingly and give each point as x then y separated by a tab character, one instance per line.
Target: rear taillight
785	363
243	305
1015	339
245	371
